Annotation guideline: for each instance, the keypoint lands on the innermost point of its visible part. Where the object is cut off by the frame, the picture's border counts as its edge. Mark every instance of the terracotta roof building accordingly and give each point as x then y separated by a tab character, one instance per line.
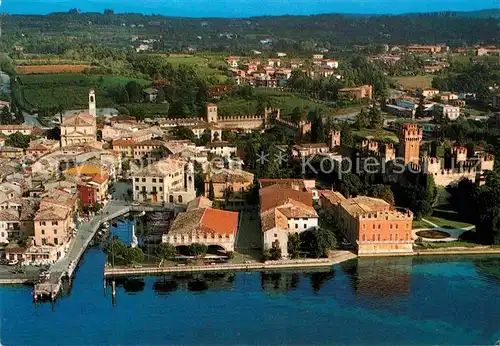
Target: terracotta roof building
202	224
229	185
371	224
285	211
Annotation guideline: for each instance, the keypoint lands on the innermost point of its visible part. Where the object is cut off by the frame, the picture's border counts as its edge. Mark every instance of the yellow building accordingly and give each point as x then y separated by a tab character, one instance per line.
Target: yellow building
80	129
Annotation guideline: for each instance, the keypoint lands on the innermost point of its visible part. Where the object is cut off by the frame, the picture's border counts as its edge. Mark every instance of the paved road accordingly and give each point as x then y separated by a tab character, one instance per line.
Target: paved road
85	233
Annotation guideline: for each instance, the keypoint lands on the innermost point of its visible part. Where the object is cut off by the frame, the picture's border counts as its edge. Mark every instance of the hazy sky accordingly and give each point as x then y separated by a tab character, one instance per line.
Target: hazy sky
243	8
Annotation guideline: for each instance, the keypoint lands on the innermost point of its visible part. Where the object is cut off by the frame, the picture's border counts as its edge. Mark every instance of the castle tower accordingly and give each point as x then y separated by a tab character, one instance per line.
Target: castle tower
487	162
459	155
389	152
431	165
409	143
212	113
334	139
92	108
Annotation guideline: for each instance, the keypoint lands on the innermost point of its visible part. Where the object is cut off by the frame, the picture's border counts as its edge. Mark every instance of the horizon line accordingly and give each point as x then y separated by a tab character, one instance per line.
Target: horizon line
393	14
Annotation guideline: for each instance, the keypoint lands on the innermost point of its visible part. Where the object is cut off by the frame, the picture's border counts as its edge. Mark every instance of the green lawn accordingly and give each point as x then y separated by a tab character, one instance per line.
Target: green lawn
286	101
377	134
420	224
447	223
414	82
449	244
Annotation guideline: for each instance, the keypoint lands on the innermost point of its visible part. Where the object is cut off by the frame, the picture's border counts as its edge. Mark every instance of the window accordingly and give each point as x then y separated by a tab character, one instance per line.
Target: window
143	180
276	235
373	237
136	180
137	188
390	235
55	231
305	225
161	180
396	226
56	241
379	226
44	241
43	223
364	237
43	231
154	180
161	188
179	199
364	226
378	237
296	225
171	199
390	226
373	226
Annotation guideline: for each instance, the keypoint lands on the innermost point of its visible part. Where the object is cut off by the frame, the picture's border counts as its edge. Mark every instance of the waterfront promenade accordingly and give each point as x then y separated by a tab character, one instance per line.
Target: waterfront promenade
66	265
337	257
85	232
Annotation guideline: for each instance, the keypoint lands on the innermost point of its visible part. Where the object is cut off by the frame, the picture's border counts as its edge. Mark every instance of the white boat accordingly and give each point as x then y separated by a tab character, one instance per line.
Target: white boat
105	224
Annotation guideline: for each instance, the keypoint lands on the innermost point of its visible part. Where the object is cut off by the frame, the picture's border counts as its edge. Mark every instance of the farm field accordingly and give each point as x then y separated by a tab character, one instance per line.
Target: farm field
414	82
49	69
68	90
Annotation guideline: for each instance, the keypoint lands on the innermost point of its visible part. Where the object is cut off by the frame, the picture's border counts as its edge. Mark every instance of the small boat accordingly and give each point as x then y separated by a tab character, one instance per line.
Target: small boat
105	224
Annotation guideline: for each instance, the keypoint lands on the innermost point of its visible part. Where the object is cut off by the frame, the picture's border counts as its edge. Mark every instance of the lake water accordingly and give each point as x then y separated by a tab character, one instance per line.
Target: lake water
441	300
245	8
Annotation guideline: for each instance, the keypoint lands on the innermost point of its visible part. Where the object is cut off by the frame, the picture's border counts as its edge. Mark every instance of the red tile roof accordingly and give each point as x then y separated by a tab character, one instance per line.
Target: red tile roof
271	197
220	221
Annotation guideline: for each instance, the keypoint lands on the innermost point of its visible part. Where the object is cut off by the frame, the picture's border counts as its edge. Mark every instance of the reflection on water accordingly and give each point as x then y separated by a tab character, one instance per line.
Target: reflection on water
384	277
318	279
131	285
432	300
279	282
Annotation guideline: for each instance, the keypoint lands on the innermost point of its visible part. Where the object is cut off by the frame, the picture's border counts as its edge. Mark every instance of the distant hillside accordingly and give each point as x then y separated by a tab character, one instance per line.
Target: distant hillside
58	32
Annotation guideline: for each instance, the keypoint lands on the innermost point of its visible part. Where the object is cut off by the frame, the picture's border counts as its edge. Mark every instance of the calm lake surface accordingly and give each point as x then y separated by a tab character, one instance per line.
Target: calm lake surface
439	300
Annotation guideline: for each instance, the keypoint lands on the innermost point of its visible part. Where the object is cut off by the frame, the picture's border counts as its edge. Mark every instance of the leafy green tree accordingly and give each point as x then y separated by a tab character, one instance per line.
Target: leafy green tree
18	140
134	255
198	250
383	192
294	244
298	115
182	132
350	185
165	251
5	116
317	127
376	119
362	119
115	249
275	251
134	91
319	242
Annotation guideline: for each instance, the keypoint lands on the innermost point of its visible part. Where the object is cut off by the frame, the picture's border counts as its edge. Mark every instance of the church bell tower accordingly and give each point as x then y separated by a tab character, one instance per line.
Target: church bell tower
92	108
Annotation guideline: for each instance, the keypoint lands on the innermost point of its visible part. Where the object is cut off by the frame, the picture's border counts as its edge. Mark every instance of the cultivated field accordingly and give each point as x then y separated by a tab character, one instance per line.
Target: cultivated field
69	91
414	82
50	69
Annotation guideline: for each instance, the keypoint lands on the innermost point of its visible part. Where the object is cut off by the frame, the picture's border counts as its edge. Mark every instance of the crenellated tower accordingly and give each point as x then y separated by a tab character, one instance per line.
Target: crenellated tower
409	143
